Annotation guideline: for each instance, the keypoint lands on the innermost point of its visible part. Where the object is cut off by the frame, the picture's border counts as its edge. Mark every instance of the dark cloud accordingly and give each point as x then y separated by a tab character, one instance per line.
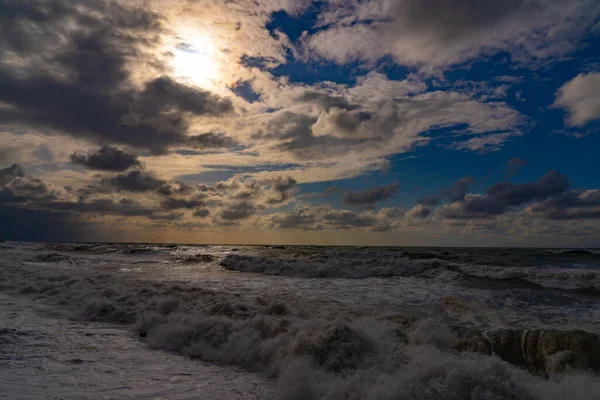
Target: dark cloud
106	159
513	166
211	140
164	95
370	196
456	192
202	213
500	197
419	211
430	200
570	205
7	196
16	187
238	210
326	101
33	188
325	217
10	173
72	74
138	181
172	203
117	207
281	190
552	183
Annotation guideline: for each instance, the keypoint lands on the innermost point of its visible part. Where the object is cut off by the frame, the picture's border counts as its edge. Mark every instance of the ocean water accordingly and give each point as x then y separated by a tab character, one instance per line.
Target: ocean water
101	321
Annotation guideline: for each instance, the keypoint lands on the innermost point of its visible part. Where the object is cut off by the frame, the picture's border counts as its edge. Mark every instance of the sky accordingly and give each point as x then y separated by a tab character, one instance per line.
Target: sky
341	122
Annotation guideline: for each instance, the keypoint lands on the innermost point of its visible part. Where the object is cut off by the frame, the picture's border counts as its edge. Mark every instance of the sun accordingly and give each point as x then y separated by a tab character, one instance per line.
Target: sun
196	59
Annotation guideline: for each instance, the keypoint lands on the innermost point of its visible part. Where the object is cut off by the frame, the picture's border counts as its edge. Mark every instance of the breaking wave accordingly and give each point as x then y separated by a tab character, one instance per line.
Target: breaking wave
322	353
548	277
353	265
360	265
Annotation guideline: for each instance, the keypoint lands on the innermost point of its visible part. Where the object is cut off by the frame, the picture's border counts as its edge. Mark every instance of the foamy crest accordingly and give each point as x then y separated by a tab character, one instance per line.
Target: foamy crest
317	352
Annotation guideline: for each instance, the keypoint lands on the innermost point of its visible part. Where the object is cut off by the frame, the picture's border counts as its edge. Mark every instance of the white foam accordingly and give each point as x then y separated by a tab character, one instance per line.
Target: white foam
320	339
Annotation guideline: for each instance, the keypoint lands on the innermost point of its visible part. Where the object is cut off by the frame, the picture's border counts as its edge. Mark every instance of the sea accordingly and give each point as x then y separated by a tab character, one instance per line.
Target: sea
174	321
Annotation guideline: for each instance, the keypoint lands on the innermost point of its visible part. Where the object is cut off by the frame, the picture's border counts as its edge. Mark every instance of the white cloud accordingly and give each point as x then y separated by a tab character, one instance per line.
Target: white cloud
581	98
432	34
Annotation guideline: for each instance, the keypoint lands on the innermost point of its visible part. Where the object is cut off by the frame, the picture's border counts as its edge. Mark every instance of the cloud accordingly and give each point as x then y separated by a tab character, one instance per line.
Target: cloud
10	173
172	203
237	210
320	218
430	33
583	204
138	181
370	196
16	187
381	128
551	184
202	213
281	190
86	54
456	192
581	98
211	140
106	159
513	166
326	101
419	211
308	218
499	198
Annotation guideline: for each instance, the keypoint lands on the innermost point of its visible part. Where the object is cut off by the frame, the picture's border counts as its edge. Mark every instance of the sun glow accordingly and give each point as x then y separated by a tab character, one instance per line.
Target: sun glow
196	59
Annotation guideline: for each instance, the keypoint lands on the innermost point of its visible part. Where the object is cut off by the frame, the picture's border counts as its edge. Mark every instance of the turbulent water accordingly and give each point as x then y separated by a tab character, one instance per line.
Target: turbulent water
253	322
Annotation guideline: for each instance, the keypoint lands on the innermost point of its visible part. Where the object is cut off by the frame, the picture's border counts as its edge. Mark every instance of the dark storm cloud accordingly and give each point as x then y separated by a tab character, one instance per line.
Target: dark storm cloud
551	184
138	181
7	196
33	188
237	211
10	173
202	213
456	192
164	95
500	197
570	205
211	140
16	187
370	196
173	203
116	207
106	159
66	68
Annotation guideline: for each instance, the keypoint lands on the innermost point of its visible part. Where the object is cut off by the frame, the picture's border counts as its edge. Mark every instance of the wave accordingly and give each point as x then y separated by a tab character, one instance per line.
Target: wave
575	252
547	277
361	265
324	353
55	258
352	265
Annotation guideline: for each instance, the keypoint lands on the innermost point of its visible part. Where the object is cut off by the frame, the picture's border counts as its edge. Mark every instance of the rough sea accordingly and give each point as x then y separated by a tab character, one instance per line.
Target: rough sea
128	321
